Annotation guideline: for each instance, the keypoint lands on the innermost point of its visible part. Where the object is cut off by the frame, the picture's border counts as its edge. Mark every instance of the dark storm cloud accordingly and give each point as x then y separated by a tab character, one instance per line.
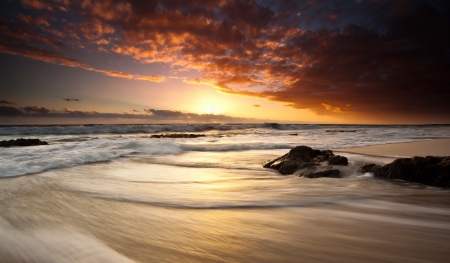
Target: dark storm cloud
6	102
10	111
345	58
71	99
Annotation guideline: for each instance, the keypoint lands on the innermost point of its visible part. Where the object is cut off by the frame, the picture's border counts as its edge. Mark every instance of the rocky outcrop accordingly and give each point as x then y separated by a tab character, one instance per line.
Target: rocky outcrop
177	135
304	157
22	142
338	160
430	170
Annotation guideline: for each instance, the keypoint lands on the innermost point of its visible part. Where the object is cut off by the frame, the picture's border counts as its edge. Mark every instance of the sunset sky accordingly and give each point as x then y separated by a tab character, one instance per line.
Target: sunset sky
227	61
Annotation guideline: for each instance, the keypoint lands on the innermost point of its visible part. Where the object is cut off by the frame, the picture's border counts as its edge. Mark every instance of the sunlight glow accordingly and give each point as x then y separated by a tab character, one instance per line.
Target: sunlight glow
212	109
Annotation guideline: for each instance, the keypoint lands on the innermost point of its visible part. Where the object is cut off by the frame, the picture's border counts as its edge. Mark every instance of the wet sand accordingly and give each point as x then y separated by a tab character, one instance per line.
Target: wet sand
124	211
434	147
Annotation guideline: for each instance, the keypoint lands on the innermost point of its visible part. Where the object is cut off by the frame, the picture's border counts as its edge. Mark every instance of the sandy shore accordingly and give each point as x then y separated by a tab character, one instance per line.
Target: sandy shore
435	147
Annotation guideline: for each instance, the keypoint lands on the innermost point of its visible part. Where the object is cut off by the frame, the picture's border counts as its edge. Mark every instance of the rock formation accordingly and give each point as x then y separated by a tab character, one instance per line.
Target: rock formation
430	170
22	142
177	135
309	161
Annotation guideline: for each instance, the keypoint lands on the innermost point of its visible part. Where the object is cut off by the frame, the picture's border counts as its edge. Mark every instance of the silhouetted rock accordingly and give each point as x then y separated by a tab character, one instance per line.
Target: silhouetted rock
302	157
22	142
430	170
177	135
338	160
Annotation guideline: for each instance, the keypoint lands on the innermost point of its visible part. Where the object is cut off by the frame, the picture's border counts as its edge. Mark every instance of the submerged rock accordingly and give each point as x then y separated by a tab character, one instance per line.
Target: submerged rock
302	157
22	142
177	135
430	170
320	171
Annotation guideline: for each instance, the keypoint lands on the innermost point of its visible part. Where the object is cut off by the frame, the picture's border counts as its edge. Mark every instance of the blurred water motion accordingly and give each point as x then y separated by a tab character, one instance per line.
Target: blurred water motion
206	207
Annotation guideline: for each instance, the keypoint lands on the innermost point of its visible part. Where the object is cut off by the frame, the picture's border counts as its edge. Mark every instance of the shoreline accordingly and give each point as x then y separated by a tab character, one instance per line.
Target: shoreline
433	147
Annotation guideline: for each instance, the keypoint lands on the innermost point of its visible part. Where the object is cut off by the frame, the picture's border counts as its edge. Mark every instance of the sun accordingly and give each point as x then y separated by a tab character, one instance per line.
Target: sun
210	109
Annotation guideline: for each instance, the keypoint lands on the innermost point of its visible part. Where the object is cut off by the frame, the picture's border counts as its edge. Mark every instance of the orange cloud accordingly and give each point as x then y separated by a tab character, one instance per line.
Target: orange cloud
38	54
36	109
302	54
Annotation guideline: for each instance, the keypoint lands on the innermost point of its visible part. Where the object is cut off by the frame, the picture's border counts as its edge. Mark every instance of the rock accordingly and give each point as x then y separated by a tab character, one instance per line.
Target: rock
338	160
430	170
302	157
293	134
320	171
177	135
22	142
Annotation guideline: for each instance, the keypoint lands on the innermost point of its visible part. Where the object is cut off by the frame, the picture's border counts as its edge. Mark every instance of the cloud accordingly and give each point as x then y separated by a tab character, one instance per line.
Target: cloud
6	102
10	111
132	112
384	58
36	109
147	115
71	99
36	4
20	37
256	105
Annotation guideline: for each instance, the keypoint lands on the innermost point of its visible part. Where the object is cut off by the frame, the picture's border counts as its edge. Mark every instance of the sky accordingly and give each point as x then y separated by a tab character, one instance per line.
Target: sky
224	61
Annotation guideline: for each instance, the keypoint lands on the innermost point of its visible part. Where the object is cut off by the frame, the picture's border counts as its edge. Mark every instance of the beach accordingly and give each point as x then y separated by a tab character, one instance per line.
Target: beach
209	200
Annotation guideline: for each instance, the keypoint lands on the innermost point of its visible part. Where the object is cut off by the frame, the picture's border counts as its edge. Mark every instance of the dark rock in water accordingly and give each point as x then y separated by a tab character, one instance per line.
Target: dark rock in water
302	157
177	135
430	170
320	171
338	160
22	142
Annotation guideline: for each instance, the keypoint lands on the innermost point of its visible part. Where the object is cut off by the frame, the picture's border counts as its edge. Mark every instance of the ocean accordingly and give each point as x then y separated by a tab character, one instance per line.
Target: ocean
111	193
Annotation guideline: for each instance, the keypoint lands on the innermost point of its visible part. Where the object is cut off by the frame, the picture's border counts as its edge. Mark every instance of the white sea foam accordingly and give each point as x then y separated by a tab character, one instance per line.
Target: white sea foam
235	147
80	144
126	129
26	160
154	128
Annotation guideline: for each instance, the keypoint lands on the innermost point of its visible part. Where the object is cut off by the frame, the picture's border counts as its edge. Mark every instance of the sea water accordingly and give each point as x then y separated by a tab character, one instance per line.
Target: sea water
111	193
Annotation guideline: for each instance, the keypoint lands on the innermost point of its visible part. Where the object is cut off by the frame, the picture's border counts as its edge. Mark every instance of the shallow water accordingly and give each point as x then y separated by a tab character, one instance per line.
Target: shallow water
104	197
173	209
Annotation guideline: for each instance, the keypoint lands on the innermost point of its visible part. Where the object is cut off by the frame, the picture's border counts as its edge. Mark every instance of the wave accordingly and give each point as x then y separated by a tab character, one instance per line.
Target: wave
28	160
236	147
150	128
278	126
237	205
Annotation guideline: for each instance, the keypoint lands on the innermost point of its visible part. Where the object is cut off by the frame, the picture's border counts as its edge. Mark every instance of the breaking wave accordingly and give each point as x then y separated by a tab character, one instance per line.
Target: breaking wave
151	128
26	160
